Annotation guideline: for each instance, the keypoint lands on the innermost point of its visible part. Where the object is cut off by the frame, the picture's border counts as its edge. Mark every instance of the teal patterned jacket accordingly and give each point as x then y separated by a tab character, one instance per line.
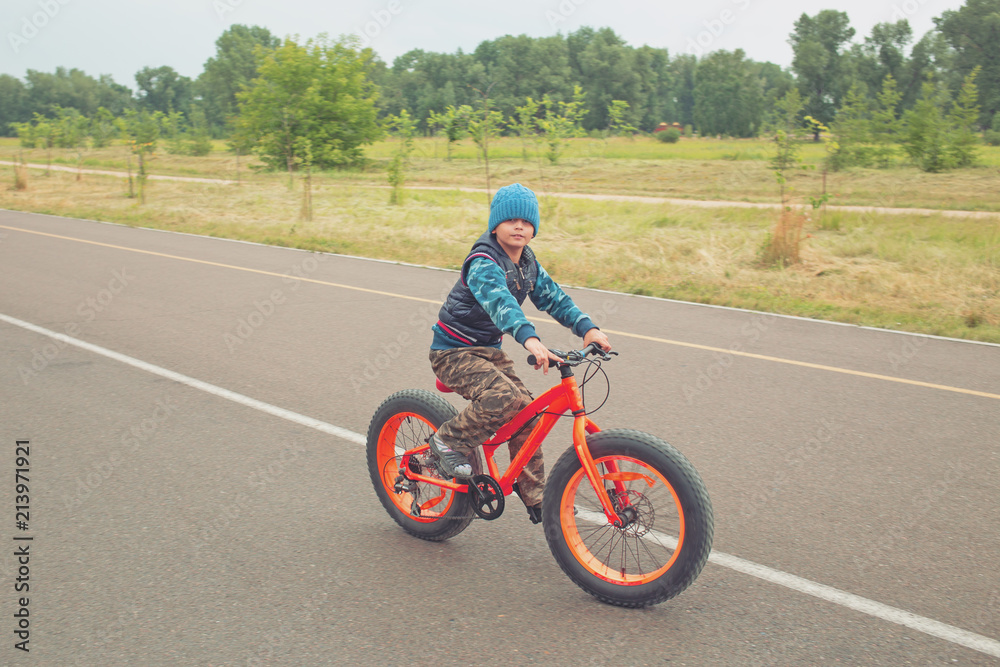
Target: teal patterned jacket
488	284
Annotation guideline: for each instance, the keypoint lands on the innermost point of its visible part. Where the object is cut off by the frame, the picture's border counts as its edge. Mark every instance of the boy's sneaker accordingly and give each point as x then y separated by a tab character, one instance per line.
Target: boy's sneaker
452	463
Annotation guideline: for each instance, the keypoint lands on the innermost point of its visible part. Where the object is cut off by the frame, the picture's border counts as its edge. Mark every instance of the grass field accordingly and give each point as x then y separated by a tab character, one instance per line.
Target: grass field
918	273
733	170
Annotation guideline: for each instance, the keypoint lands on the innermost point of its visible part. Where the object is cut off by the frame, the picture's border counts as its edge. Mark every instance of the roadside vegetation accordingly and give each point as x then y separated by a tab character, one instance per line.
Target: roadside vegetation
929	274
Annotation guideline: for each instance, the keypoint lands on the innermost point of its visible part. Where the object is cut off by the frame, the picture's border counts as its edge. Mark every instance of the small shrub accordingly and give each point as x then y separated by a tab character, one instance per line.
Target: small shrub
20	177
781	248
992	137
973	319
670	136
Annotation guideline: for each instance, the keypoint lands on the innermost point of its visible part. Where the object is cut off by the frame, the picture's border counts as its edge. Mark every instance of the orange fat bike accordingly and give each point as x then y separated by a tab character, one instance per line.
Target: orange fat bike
625	514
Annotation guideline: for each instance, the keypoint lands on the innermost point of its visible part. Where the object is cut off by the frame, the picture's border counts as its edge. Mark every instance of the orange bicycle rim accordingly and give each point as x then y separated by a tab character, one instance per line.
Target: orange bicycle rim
569	518
435	505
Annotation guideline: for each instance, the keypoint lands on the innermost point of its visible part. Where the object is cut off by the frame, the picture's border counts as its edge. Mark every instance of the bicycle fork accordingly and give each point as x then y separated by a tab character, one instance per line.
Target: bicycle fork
581	424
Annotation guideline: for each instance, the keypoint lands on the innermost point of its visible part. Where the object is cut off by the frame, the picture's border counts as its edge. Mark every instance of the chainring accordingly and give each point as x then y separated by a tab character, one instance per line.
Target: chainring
486	496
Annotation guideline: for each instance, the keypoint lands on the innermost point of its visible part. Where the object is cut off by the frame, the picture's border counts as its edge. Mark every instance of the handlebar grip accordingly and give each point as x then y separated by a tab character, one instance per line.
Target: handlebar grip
532	361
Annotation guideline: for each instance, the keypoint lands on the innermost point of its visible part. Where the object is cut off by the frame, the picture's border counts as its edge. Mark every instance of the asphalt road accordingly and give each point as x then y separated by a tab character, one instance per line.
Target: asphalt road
174	520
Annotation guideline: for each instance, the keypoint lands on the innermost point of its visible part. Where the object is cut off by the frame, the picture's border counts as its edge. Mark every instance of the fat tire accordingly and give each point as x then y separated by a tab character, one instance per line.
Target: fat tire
691	492
437	411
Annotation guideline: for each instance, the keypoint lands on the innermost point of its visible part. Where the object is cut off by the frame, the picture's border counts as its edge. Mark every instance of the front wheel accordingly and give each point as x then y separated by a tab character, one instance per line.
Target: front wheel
665	516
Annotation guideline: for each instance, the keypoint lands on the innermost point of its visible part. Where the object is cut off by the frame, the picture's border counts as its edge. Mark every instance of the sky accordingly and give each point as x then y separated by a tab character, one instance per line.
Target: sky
120	37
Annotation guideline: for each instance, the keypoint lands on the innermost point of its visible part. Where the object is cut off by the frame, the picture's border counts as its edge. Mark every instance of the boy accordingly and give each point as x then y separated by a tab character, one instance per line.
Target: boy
485	303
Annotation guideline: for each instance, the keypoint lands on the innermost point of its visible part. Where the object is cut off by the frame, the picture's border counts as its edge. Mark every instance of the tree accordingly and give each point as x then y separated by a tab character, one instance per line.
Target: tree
656	102
963	121
233	67
618	123
524	123
786	143
163	89
883	53
561	122
684	69
885	124
404	128
781	247
523	66
931	57
607	71
73	89
926	134
482	128
142	130
818	46
852	129
936	141
973	31
320	91
102	128
190	135
454	122
72	129
12	109
728	97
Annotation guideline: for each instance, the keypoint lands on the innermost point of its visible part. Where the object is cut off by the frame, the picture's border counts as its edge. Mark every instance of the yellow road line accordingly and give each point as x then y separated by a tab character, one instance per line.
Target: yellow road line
806	364
666	341
225	266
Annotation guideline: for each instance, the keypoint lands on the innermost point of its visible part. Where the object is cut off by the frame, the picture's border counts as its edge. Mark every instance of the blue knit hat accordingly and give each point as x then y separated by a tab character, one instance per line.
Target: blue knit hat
514	201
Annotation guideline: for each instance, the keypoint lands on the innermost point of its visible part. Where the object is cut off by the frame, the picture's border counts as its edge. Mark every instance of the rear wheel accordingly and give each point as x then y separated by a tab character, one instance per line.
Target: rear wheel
403	422
664	510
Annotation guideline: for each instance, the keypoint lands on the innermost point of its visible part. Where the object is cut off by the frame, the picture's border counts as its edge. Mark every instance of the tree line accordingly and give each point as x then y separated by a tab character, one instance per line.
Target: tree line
860	88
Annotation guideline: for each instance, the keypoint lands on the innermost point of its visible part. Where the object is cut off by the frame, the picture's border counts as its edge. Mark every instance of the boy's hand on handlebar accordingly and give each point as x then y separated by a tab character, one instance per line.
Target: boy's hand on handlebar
541	353
595	335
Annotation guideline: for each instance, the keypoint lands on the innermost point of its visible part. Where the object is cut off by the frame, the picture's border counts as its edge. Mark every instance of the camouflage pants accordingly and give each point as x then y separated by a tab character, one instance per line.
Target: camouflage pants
485	376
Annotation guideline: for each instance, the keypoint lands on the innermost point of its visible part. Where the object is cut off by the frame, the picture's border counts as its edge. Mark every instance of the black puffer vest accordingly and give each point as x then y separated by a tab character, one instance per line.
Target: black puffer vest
461	316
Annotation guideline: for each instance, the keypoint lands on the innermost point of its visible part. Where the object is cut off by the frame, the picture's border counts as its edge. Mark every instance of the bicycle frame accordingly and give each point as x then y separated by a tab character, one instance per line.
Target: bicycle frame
549	407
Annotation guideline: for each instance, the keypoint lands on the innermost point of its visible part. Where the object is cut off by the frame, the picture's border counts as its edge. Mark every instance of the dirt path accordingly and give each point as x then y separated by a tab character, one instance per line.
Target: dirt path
673	201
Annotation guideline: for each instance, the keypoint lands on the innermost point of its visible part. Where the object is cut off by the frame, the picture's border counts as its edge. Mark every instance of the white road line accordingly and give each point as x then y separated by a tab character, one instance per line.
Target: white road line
907	619
294	417
854	602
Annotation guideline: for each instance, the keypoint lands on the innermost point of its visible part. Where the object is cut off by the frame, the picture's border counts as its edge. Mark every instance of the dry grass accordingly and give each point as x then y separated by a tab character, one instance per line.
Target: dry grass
928	274
733	170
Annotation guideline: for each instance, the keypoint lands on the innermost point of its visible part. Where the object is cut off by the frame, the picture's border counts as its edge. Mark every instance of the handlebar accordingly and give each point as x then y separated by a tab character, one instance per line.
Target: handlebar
576	357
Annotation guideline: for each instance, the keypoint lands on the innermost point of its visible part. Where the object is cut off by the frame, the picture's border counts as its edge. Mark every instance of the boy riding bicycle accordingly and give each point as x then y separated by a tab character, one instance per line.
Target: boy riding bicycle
499	273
